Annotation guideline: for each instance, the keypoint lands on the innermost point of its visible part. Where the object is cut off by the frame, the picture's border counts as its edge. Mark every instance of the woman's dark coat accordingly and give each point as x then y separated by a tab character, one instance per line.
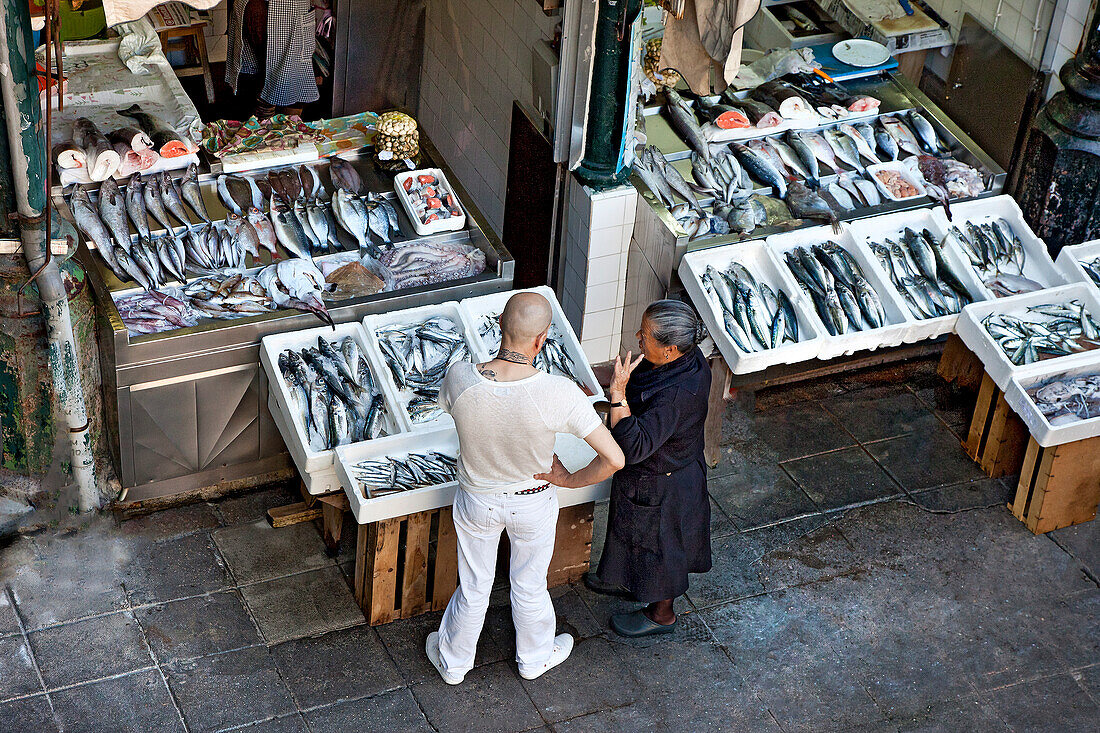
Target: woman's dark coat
659	517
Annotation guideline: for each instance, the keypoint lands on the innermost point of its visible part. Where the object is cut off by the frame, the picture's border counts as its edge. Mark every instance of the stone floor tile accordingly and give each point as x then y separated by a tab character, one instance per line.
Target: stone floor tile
253	506
340	665
9	622
137	702
880	412
636	718
294	723
490	699
1090	678
920	372
986	492
404	640
27	714
1050	704
305	604
392	712
228	689
841	478
758	492
17	674
968	714
926	460
258	551
788	394
593	678
793	553
1082	541
574	616
101	646
734	573
172	522
195	627
720	522
176	568
1073	625
794	431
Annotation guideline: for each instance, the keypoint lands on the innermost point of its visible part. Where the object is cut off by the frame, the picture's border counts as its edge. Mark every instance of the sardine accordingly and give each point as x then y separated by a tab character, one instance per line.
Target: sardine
112	211
172	198
153	202
192	194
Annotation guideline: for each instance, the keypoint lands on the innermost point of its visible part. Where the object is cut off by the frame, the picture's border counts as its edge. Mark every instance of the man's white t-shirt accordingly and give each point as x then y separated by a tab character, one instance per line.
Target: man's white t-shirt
507	430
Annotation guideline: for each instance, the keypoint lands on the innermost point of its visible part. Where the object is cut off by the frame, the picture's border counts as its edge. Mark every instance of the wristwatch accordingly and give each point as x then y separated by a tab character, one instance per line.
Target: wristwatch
620	403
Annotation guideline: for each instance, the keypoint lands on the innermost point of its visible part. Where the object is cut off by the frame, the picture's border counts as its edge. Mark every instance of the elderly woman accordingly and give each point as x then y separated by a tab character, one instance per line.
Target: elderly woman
659	518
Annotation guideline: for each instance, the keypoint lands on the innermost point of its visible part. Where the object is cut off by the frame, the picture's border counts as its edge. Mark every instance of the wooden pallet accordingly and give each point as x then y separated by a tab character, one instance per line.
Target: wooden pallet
997	438
1059	486
408	565
960	365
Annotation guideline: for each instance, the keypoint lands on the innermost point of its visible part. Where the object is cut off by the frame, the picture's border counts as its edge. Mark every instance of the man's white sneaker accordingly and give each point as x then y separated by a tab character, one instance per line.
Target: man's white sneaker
431	647
563	645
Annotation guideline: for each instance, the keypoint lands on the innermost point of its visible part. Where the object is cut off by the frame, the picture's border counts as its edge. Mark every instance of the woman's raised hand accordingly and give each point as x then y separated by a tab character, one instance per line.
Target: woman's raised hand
623	370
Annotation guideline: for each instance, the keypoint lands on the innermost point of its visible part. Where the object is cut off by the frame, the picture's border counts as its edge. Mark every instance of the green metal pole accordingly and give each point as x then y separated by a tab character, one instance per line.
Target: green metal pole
605	131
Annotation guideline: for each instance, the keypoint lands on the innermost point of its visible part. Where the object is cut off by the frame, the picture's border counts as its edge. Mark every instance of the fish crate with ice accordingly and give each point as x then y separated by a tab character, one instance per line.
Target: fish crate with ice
1080	262
758	261
1058	405
419	180
932	256
483	312
412	367
1033	328
294	422
861	299
986	231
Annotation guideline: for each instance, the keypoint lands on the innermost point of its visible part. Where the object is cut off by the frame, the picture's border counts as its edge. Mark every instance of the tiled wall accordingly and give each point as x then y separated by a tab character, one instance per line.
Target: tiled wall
598	228
1068	30
477	59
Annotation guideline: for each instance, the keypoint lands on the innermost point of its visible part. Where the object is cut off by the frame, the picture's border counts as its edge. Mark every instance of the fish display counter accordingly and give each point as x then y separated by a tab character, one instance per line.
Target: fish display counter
182	308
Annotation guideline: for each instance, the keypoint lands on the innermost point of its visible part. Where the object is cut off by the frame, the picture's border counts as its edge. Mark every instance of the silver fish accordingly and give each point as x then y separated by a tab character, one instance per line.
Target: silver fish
135	206
112	210
192	194
153	202
173	198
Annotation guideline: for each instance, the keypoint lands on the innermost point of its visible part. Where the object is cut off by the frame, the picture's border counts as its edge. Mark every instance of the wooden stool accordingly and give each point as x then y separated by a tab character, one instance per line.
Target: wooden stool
329	508
997	436
192	41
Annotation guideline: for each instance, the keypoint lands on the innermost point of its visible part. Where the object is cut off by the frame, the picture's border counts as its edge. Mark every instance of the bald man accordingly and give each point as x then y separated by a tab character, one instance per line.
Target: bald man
508	415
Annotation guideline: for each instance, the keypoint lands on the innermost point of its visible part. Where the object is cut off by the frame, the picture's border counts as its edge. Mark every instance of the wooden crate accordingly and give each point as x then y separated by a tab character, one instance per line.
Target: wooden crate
1059	486
959	365
997	438
408	565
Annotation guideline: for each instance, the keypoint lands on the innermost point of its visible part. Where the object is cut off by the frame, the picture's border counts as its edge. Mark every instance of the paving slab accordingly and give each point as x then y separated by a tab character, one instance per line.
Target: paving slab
1073	623
195	627
176	568
404	640
926	460
1051	704
792	431
628	719
101	646
987	493
789	394
594	677
840	478
881	412
27	714
757	491
229	689
305	604
294	723
9	622
490	699
17	674
258	551
968	714
137	702
172	522
1090	678
253	506
1083	542
340	665
393	712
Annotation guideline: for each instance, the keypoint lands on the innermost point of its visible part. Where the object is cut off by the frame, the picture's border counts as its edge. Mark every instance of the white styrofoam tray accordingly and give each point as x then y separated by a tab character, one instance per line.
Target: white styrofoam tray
1038	265
1070	258
897	315
997	364
321	481
452	224
902	170
296	438
475	308
1045	434
573	452
759	261
878	229
409	316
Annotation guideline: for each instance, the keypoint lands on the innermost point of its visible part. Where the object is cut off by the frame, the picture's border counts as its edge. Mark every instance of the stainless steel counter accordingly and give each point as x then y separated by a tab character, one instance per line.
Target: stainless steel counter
187	409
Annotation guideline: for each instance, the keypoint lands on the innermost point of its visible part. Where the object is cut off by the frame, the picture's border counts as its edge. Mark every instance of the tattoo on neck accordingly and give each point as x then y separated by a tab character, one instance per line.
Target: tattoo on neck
487	373
513	356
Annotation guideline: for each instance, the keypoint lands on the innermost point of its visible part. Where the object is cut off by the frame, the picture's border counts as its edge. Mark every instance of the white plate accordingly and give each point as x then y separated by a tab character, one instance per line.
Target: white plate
861	52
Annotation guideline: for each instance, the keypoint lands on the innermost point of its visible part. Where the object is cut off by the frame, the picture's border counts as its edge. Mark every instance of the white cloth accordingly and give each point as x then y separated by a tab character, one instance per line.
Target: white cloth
124	11
479	519
507	430
138	44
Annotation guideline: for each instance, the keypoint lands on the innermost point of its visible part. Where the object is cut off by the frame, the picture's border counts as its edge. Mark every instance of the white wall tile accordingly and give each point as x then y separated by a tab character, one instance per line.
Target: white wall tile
601	297
597	350
603	269
598	324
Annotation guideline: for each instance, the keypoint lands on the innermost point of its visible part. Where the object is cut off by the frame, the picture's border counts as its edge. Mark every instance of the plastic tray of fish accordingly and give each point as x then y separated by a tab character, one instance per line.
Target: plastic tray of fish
385	504
429	418
444	188
321	481
1037	268
1043	307
483	312
890	312
1058	405
1074	262
295	433
875	233
754	257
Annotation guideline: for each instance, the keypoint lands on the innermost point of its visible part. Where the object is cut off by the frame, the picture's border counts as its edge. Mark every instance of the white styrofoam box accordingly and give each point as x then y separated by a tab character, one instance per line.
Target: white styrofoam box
897	314
902	170
308	461
1045	434
443	187
756	257
877	229
1070	258
574	453
997	364
410	316
397	504
321	481
1038	265
474	308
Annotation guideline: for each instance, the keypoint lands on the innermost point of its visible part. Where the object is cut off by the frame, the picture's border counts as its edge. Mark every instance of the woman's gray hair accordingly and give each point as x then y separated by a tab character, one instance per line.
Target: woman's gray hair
674	323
